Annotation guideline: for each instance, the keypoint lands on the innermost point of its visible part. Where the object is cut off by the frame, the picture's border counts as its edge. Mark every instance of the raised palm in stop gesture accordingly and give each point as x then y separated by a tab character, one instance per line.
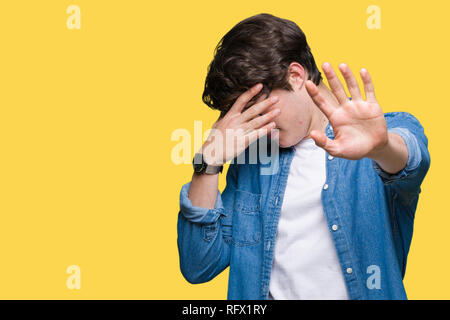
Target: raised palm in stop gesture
359	125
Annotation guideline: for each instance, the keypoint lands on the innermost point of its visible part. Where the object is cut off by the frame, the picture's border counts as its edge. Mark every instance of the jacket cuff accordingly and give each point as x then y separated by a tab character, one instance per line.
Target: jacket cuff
199	214
414	157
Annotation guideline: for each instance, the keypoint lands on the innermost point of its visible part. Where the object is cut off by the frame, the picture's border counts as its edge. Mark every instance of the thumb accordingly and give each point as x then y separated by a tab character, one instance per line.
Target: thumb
324	142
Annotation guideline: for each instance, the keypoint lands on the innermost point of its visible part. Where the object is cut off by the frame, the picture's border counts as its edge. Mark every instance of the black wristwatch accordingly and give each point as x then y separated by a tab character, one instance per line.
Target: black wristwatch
200	166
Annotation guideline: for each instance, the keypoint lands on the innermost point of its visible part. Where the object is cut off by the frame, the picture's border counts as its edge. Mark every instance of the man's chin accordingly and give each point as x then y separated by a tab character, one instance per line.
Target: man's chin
282	140
287	145
284	144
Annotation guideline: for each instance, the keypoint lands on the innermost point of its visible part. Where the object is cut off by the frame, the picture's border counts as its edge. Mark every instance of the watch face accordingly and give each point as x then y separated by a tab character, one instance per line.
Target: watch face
198	167
198	163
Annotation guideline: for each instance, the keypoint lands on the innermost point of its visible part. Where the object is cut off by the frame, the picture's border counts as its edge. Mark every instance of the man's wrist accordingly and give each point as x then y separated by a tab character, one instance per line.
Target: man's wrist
202	165
209	154
380	152
393	156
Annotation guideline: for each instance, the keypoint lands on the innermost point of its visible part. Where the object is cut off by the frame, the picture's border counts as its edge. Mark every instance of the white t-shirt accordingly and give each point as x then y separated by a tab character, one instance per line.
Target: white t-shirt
305	265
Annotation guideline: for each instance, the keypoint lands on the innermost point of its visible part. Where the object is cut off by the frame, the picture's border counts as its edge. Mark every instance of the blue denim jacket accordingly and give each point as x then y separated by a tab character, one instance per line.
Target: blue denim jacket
371	211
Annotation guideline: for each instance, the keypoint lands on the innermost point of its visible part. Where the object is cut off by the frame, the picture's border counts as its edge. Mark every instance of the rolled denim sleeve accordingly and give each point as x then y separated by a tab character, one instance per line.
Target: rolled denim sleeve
198	214
204	234
414	157
406	183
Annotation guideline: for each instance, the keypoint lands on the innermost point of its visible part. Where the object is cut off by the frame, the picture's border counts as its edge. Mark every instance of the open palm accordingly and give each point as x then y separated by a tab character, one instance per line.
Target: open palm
359	125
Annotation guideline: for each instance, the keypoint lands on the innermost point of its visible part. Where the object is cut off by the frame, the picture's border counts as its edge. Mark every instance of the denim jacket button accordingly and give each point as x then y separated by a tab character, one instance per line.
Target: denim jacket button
349	270
334	227
325	187
330	157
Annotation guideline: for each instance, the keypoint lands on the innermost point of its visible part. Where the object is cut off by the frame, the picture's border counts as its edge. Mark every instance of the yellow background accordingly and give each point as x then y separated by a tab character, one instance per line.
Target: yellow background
86	118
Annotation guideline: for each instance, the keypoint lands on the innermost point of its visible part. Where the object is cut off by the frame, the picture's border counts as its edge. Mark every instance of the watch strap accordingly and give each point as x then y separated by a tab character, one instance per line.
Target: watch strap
200	166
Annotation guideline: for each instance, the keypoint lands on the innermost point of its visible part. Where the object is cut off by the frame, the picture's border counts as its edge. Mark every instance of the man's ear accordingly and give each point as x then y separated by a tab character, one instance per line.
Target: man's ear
297	75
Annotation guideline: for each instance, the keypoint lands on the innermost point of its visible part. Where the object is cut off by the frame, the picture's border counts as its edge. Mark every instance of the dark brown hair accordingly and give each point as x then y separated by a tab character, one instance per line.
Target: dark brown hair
258	49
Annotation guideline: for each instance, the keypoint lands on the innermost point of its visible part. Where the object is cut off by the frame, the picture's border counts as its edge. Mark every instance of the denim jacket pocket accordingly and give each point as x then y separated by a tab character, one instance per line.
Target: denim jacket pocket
247	220
209	231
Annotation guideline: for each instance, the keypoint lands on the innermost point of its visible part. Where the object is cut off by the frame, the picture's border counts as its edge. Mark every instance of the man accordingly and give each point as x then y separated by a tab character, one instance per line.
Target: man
335	220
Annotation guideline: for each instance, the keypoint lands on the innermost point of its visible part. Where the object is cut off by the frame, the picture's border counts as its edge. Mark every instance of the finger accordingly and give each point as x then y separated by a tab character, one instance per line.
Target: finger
318	99
325	143
335	83
368	85
262	120
258	133
352	84
244	98
258	108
